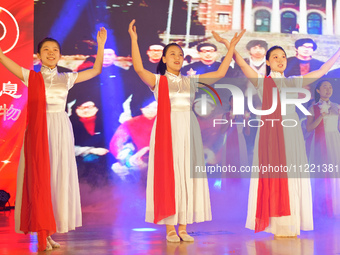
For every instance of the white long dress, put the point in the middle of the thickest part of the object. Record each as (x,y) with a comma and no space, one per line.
(64,176)
(191,194)
(299,187)
(332,135)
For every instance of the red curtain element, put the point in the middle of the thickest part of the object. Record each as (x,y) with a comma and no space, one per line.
(17,17)
(164,179)
(272,193)
(36,209)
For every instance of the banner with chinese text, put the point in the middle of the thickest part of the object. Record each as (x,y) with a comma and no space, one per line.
(16,41)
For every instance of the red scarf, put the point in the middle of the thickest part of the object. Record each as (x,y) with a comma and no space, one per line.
(272,193)
(164,179)
(36,209)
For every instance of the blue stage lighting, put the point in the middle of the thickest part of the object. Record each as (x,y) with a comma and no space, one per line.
(69,15)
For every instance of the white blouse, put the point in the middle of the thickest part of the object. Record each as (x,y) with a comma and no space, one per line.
(56,86)
(181,90)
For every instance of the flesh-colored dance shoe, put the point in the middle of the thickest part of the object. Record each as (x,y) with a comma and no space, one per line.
(53,243)
(285,237)
(172,238)
(185,237)
(48,246)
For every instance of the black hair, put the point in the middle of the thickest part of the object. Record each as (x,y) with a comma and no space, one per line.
(161,67)
(254,43)
(188,58)
(302,41)
(317,94)
(47,39)
(268,55)
(206,45)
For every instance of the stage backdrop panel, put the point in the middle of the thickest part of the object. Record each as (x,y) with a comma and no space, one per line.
(16,41)
(112,115)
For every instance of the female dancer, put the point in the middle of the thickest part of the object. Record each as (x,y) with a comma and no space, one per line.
(325,147)
(279,203)
(173,196)
(48,198)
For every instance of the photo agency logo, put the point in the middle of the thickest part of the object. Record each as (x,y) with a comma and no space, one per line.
(238,105)
(204,97)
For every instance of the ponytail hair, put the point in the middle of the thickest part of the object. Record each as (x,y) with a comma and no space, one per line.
(267,70)
(316,93)
(161,67)
(268,55)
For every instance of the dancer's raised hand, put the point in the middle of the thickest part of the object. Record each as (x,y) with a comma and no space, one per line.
(220,39)
(234,40)
(132,30)
(237,38)
(101,36)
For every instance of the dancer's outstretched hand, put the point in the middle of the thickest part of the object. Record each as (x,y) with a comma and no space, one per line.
(132,30)
(101,36)
(237,38)
(219,38)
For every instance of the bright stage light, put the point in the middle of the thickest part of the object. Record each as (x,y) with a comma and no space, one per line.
(144,229)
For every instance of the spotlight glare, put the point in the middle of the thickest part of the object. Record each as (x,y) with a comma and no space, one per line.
(144,229)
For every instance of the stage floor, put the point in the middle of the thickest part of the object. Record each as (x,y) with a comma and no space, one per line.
(113,223)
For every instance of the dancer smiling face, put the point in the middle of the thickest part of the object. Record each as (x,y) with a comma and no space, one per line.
(173,58)
(276,59)
(325,90)
(49,53)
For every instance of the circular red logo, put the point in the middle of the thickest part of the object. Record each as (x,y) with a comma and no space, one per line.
(9,30)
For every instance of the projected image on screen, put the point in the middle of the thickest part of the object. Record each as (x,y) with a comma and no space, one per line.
(113,114)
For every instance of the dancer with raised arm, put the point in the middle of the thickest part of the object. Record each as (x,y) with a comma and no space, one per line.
(173,195)
(279,203)
(325,152)
(48,198)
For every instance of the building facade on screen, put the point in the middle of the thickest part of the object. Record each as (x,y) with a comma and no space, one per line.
(275,16)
